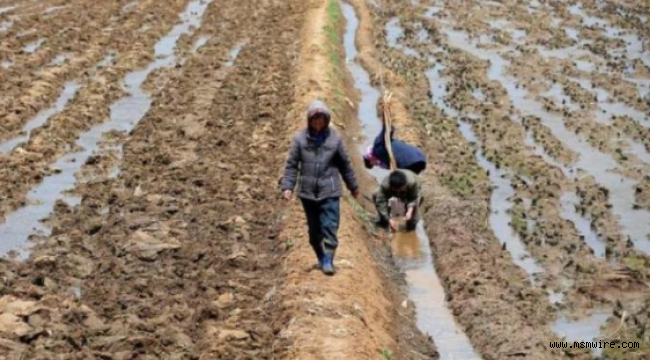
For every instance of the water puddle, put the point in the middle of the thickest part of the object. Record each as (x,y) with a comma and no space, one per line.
(69,91)
(571,52)
(643,85)
(585,329)
(433,11)
(502,189)
(587,20)
(200,42)
(518,35)
(634,49)
(108,60)
(59,60)
(6,9)
(53,9)
(572,33)
(608,108)
(569,202)
(602,166)
(555,297)
(371,124)
(584,65)
(6,25)
(394,33)
(491,3)
(533,7)
(234,53)
(33,46)
(423,36)
(479,95)
(556,92)
(129,6)
(427,293)
(124,116)
(425,289)
(118,150)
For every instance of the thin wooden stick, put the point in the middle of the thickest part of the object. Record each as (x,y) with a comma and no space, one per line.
(388,124)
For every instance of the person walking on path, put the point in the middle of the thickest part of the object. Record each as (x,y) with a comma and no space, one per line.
(406,155)
(316,158)
(403,185)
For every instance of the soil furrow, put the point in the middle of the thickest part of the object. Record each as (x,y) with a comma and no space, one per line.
(29,87)
(182,261)
(334,318)
(91,106)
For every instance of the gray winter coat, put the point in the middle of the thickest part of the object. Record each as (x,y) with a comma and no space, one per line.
(317,167)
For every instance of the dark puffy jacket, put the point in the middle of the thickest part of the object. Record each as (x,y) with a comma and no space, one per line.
(317,167)
(406,155)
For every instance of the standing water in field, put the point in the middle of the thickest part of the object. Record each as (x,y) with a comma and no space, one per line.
(69,91)
(500,203)
(585,329)
(6,9)
(570,201)
(602,166)
(394,32)
(124,116)
(33,46)
(425,288)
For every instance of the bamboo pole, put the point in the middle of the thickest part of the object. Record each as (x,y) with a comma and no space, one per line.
(388,124)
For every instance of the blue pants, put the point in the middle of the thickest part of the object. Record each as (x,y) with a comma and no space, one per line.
(323,219)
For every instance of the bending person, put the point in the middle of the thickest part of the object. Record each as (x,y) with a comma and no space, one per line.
(406,156)
(405,186)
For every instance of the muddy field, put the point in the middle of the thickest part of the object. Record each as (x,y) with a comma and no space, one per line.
(141,147)
(534,114)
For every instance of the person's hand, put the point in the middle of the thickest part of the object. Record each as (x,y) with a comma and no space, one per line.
(409,214)
(287,194)
(356,193)
(393,224)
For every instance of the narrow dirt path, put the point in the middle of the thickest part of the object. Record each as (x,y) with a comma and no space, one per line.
(188,252)
(356,314)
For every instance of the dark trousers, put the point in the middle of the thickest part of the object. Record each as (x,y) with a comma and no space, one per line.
(323,219)
(418,167)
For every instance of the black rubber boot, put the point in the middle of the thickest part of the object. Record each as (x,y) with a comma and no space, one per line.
(328,264)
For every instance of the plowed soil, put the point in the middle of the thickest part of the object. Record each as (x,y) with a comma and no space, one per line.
(181,247)
(186,254)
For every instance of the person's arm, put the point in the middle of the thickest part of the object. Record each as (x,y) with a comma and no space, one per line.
(345,168)
(291,168)
(413,195)
(381,201)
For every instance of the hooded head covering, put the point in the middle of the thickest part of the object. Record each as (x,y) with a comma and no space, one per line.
(319,108)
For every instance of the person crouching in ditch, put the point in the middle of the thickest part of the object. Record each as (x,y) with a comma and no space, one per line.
(403,185)
(317,157)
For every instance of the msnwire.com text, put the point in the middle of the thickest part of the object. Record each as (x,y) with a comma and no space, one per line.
(595,345)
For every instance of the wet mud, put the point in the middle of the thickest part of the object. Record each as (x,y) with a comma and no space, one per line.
(550,132)
(150,201)
(139,163)
(169,262)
